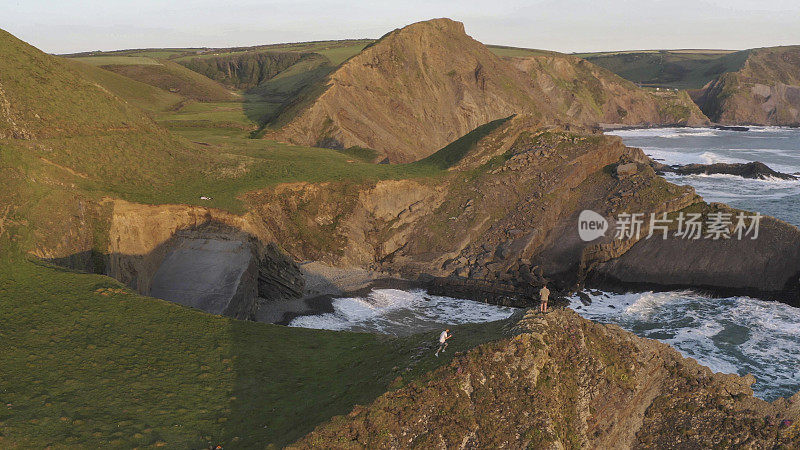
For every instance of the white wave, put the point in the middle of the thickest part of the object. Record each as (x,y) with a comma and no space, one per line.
(769,129)
(730,335)
(766,182)
(397,312)
(683,156)
(663,132)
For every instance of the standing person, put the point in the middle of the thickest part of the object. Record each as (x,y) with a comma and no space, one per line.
(443,341)
(544,296)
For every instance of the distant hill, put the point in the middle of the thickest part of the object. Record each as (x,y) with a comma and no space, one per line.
(242,70)
(765,91)
(676,69)
(420,87)
(149,98)
(175,78)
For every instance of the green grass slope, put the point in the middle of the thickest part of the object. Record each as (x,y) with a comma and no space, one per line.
(142,95)
(42,96)
(677,69)
(86,363)
(175,78)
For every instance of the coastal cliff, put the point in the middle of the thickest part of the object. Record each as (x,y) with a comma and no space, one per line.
(766,91)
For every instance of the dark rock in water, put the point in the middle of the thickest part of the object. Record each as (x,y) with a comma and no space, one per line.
(756,170)
(729,128)
(585,299)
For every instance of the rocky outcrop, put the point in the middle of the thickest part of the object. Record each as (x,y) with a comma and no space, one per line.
(756,170)
(592,95)
(423,86)
(505,220)
(565,382)
(767,267)
(766,91)
(506,210)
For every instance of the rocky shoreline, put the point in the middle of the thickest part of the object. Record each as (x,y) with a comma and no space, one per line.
(755,170)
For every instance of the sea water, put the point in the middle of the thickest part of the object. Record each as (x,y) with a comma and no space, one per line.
(398,312)
(732,335)
(778,148)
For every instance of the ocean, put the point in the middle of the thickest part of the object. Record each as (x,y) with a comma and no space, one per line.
(732,335)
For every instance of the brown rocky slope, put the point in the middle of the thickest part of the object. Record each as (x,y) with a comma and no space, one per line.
(505,217)
(766,91)
(420,87)
(565,382)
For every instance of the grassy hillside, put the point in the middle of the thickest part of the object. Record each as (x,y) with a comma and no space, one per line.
(156,53)
(144,96)
(86,363)
(174,78)
(335,51)
(678,69)
(46,97)
(242,70)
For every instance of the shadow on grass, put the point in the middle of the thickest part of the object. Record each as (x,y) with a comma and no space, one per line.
(181,377)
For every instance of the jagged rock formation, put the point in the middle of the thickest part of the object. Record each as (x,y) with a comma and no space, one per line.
(766,91)
(566,382)
(756,170)
(420,87)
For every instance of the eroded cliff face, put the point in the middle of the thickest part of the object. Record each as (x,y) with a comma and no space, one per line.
(421,87)
(566,382)
(766,91)
(505,217)
(508,205)
(208,259)
(768,266)
(589,94)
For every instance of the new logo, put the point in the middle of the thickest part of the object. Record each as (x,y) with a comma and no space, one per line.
(591,225)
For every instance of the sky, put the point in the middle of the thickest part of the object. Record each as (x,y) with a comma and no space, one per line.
(563,25)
